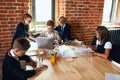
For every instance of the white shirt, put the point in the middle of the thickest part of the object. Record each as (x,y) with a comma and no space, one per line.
(13,55)
(108,45)
(64,26)
(54,35)
(50,35)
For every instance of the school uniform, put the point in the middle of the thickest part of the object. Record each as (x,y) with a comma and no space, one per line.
(21,31)
(53,35)
(11,69)
(101,47)
(64,31)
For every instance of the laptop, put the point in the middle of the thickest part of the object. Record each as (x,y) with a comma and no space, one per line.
(44,42)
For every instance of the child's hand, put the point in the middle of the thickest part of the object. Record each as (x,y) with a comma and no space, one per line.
(42,68)
(32,63)
(94,54)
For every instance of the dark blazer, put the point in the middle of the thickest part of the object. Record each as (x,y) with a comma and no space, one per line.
(11,69)
(21,31)
(66,34)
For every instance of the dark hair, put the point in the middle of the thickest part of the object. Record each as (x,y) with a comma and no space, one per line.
(103,33)
(26,15)
(62,19)
(50,23)
(21,43)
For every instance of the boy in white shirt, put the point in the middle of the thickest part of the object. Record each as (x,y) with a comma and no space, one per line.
(51,33)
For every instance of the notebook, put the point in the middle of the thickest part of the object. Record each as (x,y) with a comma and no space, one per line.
(44,42)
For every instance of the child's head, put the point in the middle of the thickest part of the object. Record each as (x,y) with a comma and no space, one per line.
(50,25)
(20,46)
(102,33)
(62,20)
(27,18)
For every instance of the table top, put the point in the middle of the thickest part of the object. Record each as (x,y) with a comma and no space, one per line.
(81,68)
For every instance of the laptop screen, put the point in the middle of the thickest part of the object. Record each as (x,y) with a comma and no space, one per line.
(44,42)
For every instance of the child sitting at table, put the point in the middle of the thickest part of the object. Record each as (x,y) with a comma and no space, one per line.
(11,69)
(51,33)
(103,46)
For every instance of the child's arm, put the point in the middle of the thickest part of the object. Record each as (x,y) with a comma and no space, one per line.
(21,74)
(42,68)
(32,63)
(104,55)
(26,58)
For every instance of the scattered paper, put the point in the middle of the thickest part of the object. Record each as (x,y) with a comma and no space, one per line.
(83,51)
(111,76)
(77,42)
(66,52)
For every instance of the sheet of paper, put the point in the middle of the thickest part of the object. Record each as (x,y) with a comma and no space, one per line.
(111,76)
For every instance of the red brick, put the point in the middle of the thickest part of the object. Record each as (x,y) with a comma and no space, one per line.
(12,19)
(9,0)
(3,25)
(11,11)
(10,7)
(3,11)
(22,0)
(9,4)
(13,22)
(2,7)
(3,18)
(19,4)
(5,29)
(19,11)
(1,0)
(2,4)
(11,15)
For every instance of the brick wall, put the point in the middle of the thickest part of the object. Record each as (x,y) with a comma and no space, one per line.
(83,15)
(11,12)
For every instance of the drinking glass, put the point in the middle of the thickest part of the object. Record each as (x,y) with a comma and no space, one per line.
(90,57)
(40,57)
(53,58)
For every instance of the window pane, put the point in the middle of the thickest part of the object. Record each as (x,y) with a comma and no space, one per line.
(117,17)
(107,10)
(43,10)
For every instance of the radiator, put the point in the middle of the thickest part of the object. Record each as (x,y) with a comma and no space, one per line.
(114,35)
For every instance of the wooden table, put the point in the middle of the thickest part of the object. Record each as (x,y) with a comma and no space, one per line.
(81,68)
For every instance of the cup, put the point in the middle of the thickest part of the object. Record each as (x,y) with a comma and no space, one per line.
(53,58)
(40,55)
(90,57)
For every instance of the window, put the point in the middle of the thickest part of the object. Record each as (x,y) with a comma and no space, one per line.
(42,11)
(111,11)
